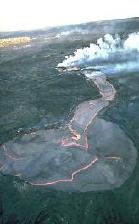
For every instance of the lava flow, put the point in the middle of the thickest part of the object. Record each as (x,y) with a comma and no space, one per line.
(82,120)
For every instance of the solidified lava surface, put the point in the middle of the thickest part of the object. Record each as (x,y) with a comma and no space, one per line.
(88,154)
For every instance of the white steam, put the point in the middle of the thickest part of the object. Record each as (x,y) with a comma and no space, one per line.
(132,42)
(109,53)
(70,32)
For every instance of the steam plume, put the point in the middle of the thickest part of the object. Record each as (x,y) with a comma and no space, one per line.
(110,54)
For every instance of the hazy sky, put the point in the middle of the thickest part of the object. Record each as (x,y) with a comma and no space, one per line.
(32,14)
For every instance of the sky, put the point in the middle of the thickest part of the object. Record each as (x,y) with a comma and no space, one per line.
(33,14)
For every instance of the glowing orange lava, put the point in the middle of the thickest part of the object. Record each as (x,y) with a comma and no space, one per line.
(70,179)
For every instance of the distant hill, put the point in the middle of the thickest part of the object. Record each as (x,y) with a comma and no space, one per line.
(98,27)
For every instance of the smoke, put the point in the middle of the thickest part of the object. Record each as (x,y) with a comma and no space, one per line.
(132,42)
(70,32)
(110,54)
